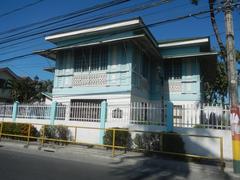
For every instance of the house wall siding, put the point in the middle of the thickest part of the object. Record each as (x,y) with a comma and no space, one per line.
(173,51)
(188,87)
(117,75)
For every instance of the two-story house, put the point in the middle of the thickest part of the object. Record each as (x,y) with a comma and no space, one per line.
(122,62)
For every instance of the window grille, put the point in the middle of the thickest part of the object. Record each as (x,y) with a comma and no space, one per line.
(91,59)
(173,69)
(117,113)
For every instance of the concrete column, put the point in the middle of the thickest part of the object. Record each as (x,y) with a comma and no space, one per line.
(53,112)
(14,112)
(169,127)
(103,116)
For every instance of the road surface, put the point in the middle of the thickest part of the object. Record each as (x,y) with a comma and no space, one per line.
(39,165)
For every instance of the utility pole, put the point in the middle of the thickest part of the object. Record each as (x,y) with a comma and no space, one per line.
(232,84)
(231,56)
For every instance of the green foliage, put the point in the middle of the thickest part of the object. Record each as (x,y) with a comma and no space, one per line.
(216,91)
(56,132)
(122,138)
(170,142)
(148,141)
(26,90)
(19,129)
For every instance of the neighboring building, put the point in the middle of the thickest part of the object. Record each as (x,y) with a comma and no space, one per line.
(122,63)
(6,75)
(48,97)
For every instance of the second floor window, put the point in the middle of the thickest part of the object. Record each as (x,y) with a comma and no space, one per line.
(91,59)
(173,69)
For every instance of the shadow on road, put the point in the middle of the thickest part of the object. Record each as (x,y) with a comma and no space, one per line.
(157,167)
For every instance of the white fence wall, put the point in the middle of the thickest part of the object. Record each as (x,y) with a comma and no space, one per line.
(6,110)
(33,111)
(201,116)
(136,113)
(189,119)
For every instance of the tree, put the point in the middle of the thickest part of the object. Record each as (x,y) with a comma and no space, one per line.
(27,90)
(226,53)
(215,92)
(215,27)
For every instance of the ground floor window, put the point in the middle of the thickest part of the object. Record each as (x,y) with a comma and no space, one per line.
(85,110)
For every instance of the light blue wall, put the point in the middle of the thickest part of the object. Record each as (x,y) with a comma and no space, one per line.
(148,88)
(175,51)
(190,82)
(118,72)
(124,71)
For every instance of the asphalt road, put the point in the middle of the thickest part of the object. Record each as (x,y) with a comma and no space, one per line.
(17,165)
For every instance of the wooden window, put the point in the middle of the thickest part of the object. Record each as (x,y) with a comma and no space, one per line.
(173,69)
(2,83)
(91,59)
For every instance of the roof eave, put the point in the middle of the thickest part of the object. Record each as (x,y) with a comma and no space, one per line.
(95,29)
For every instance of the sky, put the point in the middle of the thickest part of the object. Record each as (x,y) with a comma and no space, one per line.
(33,65)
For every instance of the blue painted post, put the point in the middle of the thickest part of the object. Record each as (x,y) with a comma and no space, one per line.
(169,116)
(14,112)
(103,116)
(53,112)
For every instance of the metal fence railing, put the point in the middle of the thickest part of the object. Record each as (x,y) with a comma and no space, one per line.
(137,113)
(61,112)
(83,111)
(33,111)
(6,110)
(120,139)
(201,116)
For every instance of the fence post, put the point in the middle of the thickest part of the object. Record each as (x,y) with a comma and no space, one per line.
(103,116)
(14,112)
(169,116)
(53,112)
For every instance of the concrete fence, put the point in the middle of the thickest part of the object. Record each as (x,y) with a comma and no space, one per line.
(135,113)
(188,119)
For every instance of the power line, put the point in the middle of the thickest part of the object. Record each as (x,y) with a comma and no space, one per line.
(66,17)
(20,8)
(142,6)
(45,42)
(149,25)
(102,5)
(127,30)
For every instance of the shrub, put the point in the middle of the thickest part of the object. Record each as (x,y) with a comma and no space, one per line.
(168,142)
(56,132)
(122,138)
(19,129)
(148,141)
(172,142)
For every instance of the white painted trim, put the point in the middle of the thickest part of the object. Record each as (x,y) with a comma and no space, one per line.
(100,42)
(191,55)
(98,28)
(184,42)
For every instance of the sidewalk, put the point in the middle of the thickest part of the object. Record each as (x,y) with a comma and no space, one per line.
(130,159)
